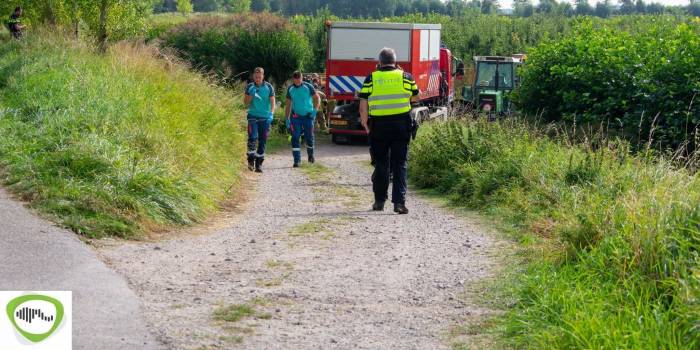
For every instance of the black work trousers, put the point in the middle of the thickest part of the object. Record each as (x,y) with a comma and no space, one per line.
(389,141)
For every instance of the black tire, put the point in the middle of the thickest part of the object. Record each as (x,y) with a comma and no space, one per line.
(340,139)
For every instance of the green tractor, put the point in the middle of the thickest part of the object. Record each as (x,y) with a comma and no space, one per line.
(494,78)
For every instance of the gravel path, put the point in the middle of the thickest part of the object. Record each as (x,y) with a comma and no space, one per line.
(316,267)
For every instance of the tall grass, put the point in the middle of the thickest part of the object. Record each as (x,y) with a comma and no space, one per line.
(114,144)
(614,239)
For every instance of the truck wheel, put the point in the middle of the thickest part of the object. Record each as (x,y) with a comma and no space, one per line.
(340,139)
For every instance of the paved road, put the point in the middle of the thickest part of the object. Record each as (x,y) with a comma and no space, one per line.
(36,255)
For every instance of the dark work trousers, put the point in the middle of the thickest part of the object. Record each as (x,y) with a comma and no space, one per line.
(389,140)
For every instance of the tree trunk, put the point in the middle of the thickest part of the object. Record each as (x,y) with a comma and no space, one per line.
(76,20)
(102,27)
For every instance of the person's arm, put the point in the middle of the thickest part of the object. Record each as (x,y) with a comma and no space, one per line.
(364,104)
(408,78)
(287,107)
(272,98)
(317,101)
(364,116)
(248,97)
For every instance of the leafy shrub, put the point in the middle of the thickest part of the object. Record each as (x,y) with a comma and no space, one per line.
(643,80)
(233,46)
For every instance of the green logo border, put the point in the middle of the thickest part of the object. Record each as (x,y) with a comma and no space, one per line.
(35,338)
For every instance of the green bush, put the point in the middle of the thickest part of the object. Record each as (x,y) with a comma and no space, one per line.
(640,78)
(232,46)
(614,239)
(118,144)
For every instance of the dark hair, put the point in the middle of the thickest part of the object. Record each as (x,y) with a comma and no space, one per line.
(18,8)
(296,74)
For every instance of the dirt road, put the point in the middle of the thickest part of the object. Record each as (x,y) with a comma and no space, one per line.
(306,265)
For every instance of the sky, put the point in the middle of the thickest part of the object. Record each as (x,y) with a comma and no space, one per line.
(509,3)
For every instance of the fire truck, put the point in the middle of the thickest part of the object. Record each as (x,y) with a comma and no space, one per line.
(352,54)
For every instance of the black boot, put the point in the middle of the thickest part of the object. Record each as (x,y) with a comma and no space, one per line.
(258,164)
(378,205)
(251,162)
(310,153)
(400,208)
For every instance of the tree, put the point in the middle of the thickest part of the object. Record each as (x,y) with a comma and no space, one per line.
(421,6)
(523,8)
(564,9)
(403,8)
(627,7)
(236,6)
(259,5)
(583,8)
(694,8)
(655,8)
(436,6)
(276,5)
(640,6)
(602,9)
(184,7)
(206,5)
(489,6)
(455,7)
(169,6)
(546,6)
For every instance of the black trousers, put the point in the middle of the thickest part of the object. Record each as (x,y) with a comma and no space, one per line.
(389,149)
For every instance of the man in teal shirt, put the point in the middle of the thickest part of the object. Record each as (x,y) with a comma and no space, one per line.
(300,110)
(260,100)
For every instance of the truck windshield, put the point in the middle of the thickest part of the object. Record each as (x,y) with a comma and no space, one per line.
(486,75)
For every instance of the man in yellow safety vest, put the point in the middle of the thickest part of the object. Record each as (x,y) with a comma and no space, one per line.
(385,106)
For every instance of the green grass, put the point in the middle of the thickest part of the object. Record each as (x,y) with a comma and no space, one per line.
(115,144)
(233,313)
(610,240)
(316,171)
(237,312)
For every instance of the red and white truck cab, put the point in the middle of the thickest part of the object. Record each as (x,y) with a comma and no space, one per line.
(352,54)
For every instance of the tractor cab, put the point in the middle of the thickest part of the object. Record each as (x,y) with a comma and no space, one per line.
(494,78)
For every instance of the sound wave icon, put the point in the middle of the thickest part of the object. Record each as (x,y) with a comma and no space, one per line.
(27,314)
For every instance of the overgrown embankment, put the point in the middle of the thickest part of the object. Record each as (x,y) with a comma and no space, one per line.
(614,239)
(114,144)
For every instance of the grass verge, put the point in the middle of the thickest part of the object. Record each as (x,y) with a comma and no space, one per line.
(612,240)
(115,144)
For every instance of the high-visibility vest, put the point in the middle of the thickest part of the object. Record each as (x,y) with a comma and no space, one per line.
(391,93)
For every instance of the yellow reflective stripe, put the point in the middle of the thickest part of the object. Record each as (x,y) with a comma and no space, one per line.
(391,106)
(389,97)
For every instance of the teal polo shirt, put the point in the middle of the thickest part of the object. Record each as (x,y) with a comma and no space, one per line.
(260,104)
(302,98)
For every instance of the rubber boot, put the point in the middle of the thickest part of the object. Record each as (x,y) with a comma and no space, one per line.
(310,152)
(251,162)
